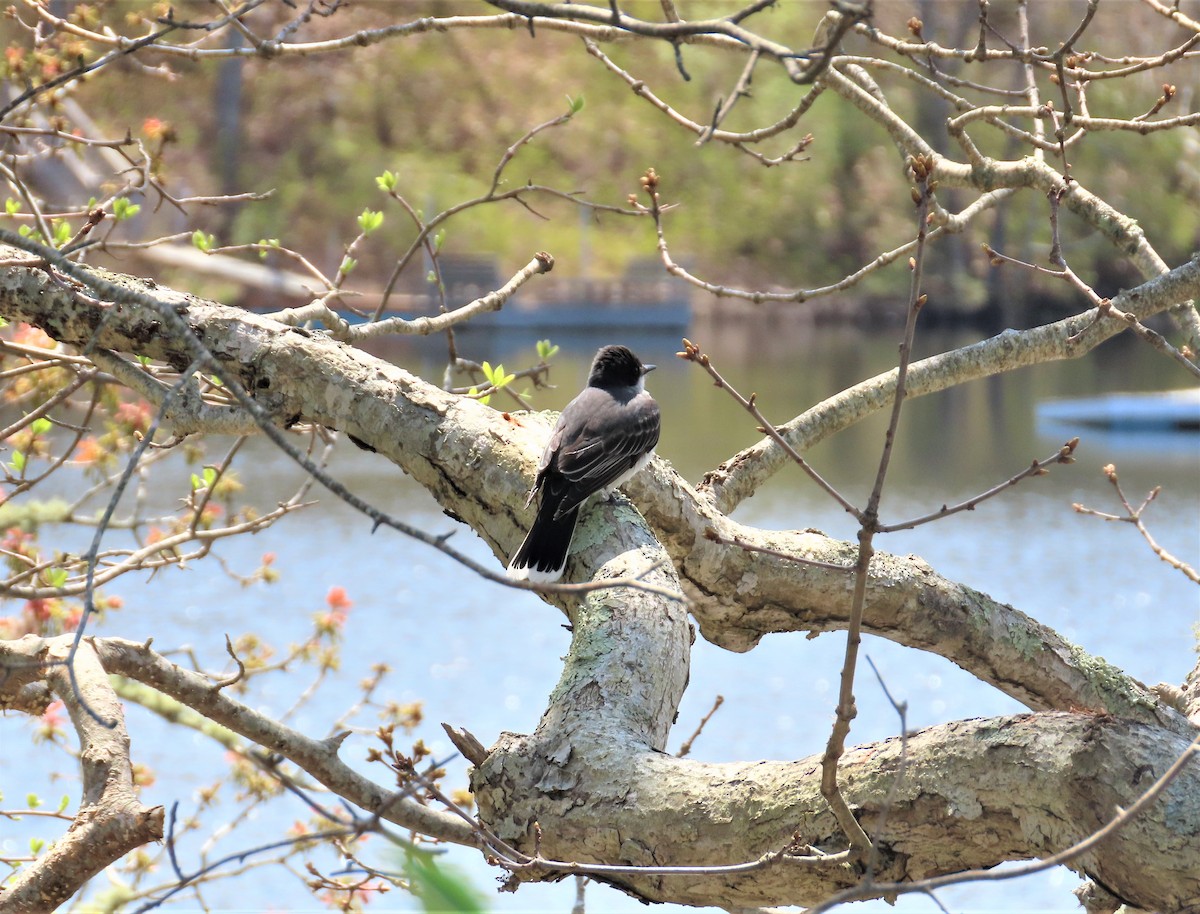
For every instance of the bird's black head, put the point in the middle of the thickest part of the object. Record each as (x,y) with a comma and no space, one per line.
(616,366)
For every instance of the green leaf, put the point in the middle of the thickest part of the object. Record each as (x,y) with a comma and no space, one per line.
(62,232)
(202,241)
(123,209)
(36,845)
(55,577)
(33,801)
(546,350)
(64,802)
(11,206)
(348,264)
(369,221)
(41,425)
(205,480)
(439,239)
(431,277)
(438,889)
(575,104)
(387,181)
(144,360)
(18,461)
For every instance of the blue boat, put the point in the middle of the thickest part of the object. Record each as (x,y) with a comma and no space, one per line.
(1169,410)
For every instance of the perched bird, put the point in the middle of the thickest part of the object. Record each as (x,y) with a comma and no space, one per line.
(604,436)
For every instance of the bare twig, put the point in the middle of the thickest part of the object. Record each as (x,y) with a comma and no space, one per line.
(1134,516)
(692,353)
(1065,454)
(687,743)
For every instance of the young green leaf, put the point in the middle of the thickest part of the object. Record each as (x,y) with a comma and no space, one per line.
(387,181)
(369,221)
(203,241)
(348,264)
(123,209)
(11,206)
(62,232)
(439,239)
(18,461)
(575,105)
(41,425)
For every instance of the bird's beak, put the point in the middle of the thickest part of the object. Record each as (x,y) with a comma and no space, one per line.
(646,369)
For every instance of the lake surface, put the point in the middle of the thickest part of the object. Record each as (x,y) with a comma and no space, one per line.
(485,658)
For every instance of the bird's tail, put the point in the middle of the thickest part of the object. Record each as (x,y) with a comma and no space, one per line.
(543,555)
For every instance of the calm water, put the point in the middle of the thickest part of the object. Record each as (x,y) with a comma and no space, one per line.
(485,658)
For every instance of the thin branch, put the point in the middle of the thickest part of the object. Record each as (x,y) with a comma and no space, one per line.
(692,353)
(712,535)
(1134,516)
(1065,454)
(687,743)
(542,262)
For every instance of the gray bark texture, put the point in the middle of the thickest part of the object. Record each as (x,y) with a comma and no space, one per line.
(593,778)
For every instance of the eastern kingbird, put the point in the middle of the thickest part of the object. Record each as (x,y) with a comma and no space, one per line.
(604,436)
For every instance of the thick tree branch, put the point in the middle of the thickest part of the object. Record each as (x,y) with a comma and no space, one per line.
(1034,785)
(441,439)
(602,736)
(317,757)
(110,821)
(907,602)
(740,476)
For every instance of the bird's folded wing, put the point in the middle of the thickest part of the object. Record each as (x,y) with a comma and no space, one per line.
(601,456)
